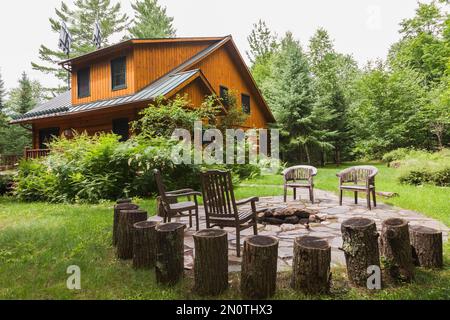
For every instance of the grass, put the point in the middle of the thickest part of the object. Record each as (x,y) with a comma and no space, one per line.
(38,241)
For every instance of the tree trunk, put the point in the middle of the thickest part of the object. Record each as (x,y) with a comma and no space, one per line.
(396,249)
(259,267)
(360,245)
(308,157)
(211,262)
(127,219)
(144,240)
(426,246)
(311,266)
(169,252)
(117,209)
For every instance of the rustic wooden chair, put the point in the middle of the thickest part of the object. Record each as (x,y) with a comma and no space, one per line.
(221,208)
(299,177)
(172,208)
(358,179)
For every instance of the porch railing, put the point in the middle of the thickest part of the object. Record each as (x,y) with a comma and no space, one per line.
(35,153)
(9,161)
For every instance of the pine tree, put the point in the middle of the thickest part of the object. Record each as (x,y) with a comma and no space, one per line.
(151,21)
(80,20)
(2,94)
(25,96)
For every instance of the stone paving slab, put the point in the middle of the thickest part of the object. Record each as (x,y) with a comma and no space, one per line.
(327,206)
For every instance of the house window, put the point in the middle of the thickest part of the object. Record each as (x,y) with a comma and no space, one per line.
(119,73)
(121,128)
(47,135)
(224,96)
(84,82)
(245,99)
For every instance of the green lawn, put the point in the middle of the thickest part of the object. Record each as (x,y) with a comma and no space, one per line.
(39,241)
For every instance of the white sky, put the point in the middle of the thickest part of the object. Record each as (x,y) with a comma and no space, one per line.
(364,28)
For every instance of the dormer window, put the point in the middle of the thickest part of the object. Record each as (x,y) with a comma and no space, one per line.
(119,73)
(84,82)
(245,103)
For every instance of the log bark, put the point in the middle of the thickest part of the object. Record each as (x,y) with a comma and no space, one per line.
(395,249)
(259,267)
(126,200)
(144,245)
(426,246)
(311,266)
(117,208)
(360,245)
(127,219)
(211,262)
(169,253)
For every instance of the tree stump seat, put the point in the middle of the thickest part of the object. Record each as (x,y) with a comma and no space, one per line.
(426,246)
(127,219)
(144,241)
(169,253)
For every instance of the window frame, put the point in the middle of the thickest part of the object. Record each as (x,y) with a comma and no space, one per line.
(124,85)
(249,103)
(88,72)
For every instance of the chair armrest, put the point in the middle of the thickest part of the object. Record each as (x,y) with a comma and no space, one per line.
(185,194)
(245,201)
(179,191)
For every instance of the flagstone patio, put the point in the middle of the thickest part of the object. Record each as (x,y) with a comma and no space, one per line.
(327,206)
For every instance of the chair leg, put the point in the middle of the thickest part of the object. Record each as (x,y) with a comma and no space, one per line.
(356,197)
(190,218)
(197,219)
(374,196)
(285,194)
(311,194)
(255,226)
(340,198)
(368,200)
(295,193)
(238,242)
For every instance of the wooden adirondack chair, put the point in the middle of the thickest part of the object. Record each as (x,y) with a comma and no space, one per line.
(299,177)
(187,208)
(221,208)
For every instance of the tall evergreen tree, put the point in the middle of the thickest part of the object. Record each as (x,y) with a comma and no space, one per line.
(25,97)
(151,21)
(80,20)
(2,94)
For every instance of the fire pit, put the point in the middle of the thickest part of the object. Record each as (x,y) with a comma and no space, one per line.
(288,215)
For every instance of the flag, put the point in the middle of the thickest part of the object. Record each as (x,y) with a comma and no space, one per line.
(97,35)
(65,39)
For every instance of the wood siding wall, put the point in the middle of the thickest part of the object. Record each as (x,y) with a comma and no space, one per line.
(100,76)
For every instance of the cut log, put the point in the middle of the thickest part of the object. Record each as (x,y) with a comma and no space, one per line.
(144,245)
(395,248)
(169,253)
(211,262)
(117,208)
(360,245)
(387,194)
(127,219)
(259,267)
(426,246)
(311,266)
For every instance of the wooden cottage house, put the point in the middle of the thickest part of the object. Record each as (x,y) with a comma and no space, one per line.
(112,85)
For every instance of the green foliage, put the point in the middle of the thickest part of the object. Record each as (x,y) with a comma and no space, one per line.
(2,93)
(80,19)
(395,155)
(5,182)
(25,97)
(151,21)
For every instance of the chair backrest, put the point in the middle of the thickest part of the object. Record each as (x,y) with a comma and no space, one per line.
(299,173)
(218,194)
(359,174)
(161,187)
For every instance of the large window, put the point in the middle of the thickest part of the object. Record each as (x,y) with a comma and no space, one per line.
(224,96)
(119,73)
(121,128)
(245,99)
(84,82)
(47,135)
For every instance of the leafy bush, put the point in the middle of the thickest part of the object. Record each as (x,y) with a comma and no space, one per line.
(420,167)
(395,155)
(5,182)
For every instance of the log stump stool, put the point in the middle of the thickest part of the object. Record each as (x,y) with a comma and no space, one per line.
(360,245)
(259,267)
(395,248)
(311,266)
(127,219)
(426,246)
(211,262)
(117,208)
(126,200)
(144,245)
(169,252)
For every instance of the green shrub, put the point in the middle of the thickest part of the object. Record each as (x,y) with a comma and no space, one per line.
(5,182)
(395,155)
